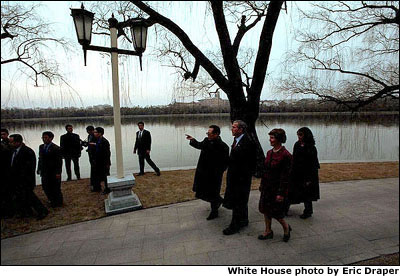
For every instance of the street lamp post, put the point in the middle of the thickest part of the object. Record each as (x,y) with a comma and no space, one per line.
(83,20)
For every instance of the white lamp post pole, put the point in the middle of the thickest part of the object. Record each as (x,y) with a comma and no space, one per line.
(121,199)
(116,105)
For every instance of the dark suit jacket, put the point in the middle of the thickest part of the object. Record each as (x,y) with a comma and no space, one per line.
(23,169)
(50,163)
(70,145)
(102,157)
(143,144)
(240,169)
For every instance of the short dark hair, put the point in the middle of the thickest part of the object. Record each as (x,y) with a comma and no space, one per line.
(279,134)
(216,129)
(140,123)
(48,133)
(17,138)
(89,128)
(100,130)
(4,130)
(67,126)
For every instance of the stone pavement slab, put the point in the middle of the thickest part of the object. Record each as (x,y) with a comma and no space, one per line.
(353,221)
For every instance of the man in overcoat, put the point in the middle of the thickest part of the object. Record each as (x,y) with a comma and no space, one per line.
(101,161)
(22,175)
(143,148)
(212,163)
(71,148)
(7,188)
(50,168)
(239,176)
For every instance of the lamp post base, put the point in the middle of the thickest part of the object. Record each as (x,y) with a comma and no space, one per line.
(121,199)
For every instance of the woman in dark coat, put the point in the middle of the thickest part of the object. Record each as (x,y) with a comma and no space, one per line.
(212,163)
(304,186)
(274,185)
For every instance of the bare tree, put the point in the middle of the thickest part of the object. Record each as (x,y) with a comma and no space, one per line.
(25,41)
(348,53)
(242,88)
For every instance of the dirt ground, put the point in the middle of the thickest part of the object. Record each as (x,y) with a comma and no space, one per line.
(171,187)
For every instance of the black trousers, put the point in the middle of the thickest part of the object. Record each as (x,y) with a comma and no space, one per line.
(27,200)
(142,157)
(52,188)
(308,208)
(97,175)
(216,203)
(75,160)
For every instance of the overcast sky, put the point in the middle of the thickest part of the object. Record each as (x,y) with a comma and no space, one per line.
(91,85)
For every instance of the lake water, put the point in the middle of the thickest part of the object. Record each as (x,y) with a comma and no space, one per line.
(338,138)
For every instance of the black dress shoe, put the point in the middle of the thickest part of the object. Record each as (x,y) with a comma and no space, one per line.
(212,215)
(270,235)
(139,174)
(304,216)
(230,231)
(286,237)
(158,173)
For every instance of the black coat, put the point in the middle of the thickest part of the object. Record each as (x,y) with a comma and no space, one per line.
(70,145)
(144,143)
(50,162)
(212,163)
(240,168)
(102,158)
(304,180)
(22,171)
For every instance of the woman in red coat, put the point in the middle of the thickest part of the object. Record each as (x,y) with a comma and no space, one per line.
(274,185)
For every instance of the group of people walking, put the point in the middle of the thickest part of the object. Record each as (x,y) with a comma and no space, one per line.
(287,179)
(19,164)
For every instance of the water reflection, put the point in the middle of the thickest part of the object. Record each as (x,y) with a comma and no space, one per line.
(338,138)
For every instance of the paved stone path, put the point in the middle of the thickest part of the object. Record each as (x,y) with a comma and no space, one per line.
(354,220)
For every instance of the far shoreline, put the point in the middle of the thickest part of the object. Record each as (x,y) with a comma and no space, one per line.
(288,114)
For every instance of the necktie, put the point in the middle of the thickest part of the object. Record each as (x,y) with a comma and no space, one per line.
(140,135)
(13,157)
(234,143)
(46,148)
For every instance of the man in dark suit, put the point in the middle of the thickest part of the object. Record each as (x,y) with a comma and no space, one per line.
(239,175)
(49,168)
(71,147)
(143,147)
(213,161)
(4,136)
(7,188)
(89,143)
(22,175)
(101,161)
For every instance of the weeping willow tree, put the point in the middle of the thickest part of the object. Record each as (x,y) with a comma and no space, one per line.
(238,72)
(348,53)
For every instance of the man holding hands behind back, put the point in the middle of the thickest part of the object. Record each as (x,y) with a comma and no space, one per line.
(212,163)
